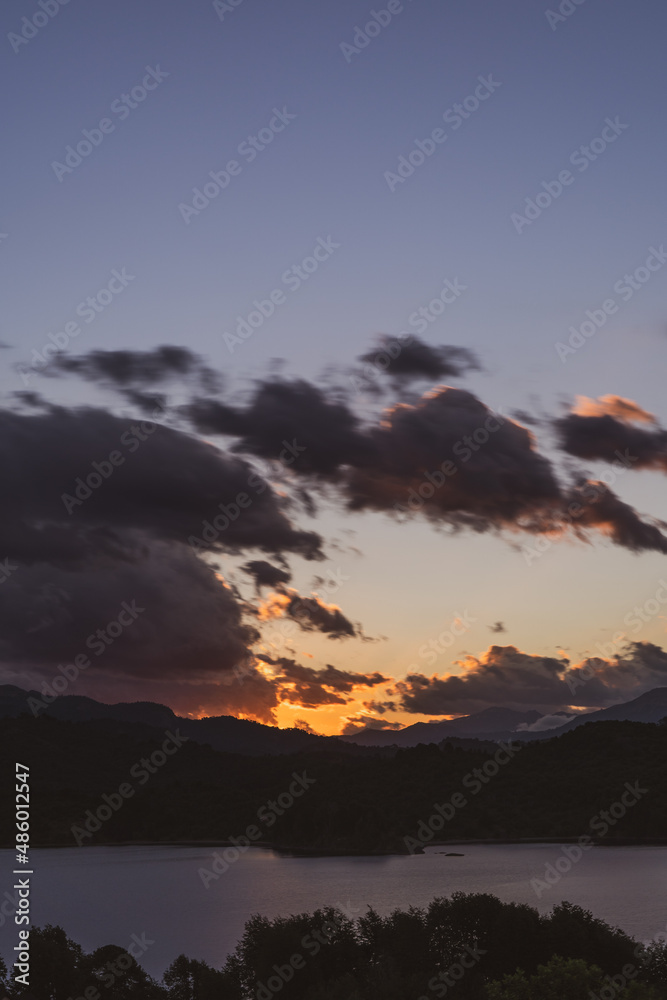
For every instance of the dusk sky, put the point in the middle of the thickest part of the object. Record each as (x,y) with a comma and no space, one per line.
(508,159)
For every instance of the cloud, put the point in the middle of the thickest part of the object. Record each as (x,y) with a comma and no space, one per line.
(497,627)
(310,687)
(326,432)
(265,574)
(504,675)
(496,479)
(98,512)
(167,484)
(599,508)
(446,457)
(306,726)
(147,615)
(600,680)
(405,360)
(544,724)
(357,723)
(310,613)
(129,369)
(613,438)
(612,406)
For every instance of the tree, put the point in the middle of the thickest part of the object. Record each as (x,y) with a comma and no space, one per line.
(567,979)
(188,979)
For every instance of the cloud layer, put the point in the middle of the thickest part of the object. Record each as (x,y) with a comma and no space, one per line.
(100,512)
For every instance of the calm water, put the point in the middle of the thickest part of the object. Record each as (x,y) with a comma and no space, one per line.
(103,895)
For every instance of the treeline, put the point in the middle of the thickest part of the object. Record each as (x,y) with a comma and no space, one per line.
(109,782)
(467,947)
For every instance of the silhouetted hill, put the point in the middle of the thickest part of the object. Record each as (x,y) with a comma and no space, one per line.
(362,802)
(487,724)
(648,707)
(225,732)
(502,724)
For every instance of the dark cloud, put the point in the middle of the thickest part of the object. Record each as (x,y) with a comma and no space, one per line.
(98,514)
(324,433)
(526,418)
(313,615)
(306,726)
(505,675)
(494,476)
(600,680)
(265,574)
(33,400)
(311,687)
(357,723)
(310,613)
(169,485)
(127,369)
(611,439)
(594,506)
(497,627)
(502,676)
(404,360)
(188,622)
(447,457)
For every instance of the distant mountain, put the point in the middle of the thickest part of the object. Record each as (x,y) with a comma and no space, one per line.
(224,732)
(487,724)
(231,735)
(503,723)
(648,707)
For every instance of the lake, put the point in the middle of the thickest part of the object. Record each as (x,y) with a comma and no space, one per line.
(104,895)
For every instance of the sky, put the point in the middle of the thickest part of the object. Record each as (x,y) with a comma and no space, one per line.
(498,167)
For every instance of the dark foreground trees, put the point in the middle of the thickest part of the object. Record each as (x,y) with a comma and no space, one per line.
(467,947)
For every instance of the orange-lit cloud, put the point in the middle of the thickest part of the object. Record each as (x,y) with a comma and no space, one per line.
(612,406)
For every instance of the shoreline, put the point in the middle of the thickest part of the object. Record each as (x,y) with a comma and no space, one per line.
(300,851)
